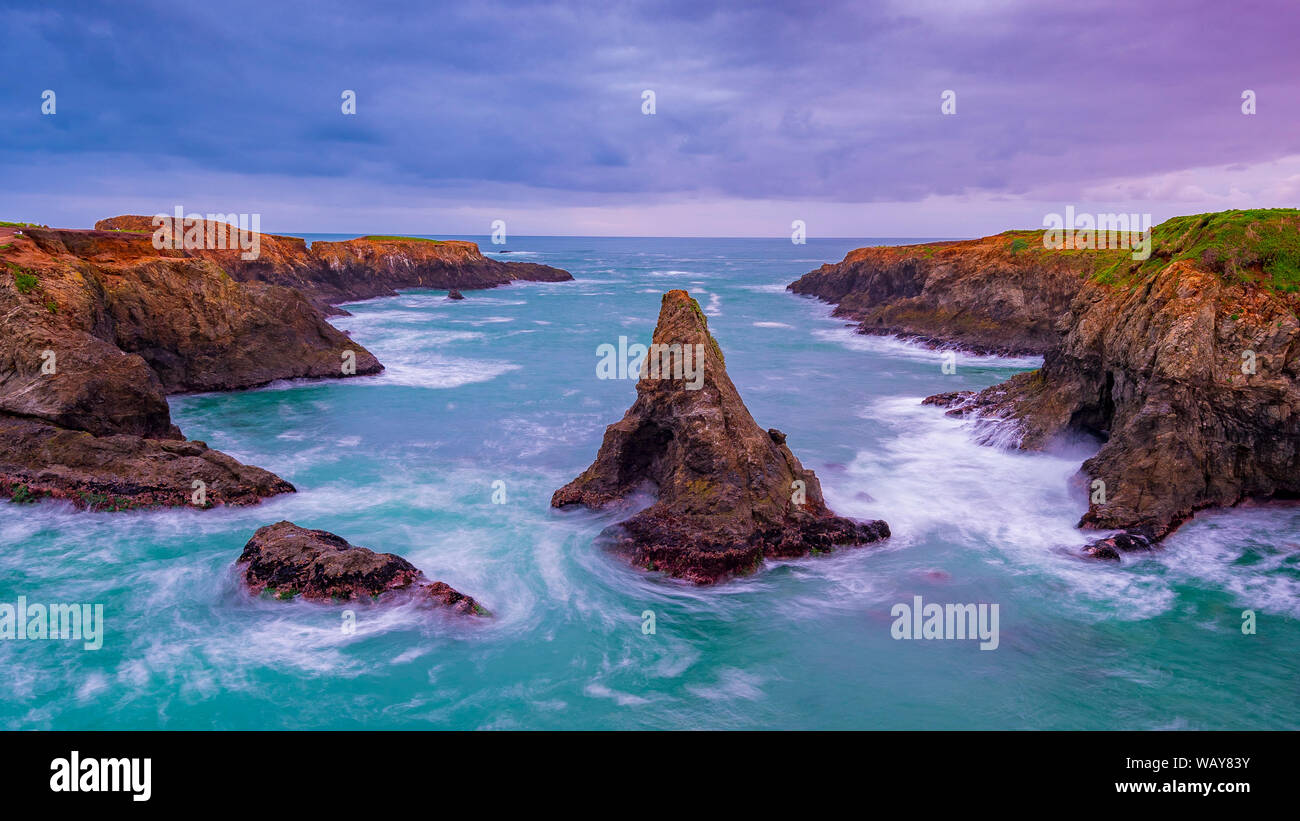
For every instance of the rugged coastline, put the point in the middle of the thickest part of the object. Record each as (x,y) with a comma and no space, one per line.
(999,295)
(351,270)
(101,326)
(1183,365)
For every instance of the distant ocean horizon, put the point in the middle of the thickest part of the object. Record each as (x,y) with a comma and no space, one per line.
(486,239)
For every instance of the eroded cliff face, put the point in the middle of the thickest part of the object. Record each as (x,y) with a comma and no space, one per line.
(728,493)
(1185,365)
(997,295)
(372,266)
(362,268)
(99,327)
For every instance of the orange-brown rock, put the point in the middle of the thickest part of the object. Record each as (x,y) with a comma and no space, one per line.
(288,561)
(998,295)
(376,266)
(728,493)
(122,472)
(100,326)
(362,268)
(1184,365)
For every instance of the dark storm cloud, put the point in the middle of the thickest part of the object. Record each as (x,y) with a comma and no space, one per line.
(825,100)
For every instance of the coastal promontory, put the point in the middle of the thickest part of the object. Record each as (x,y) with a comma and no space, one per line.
(1001,295)
(100,326)
(1183,366)
(350,270)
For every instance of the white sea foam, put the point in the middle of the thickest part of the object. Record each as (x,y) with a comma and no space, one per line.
(1252,553)
(483,320)
(597,690)
(892,346)
(438,372)
(930,479)
(732,683)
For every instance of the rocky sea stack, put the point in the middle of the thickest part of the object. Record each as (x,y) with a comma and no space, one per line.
(729,493)
(1185,365)
(288,561)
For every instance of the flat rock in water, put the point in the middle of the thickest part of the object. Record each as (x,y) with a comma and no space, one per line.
(288,561)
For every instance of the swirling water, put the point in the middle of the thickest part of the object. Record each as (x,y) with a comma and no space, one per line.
(502,388)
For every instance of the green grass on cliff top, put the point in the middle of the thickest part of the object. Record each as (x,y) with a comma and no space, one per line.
(392,238)
(1260,246)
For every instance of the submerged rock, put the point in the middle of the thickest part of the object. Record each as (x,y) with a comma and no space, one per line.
(729,493)
(288,561)
(445,595)
(1110,548)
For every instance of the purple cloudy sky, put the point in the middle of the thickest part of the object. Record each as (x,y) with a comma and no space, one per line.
(766,112)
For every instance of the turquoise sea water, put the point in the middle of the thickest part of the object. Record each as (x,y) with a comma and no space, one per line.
(502,387)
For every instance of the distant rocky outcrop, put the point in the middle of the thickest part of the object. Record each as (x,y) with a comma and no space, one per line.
(356,269)
(99,327)
(997,295)
(728,493)
(361,267)
(288,561)
(1185,365)
(453,294)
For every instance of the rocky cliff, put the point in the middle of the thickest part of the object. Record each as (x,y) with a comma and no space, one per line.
(728,493)
(362,268)
(1000,295)
(1185,365)
(99,327)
